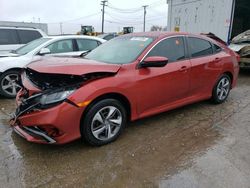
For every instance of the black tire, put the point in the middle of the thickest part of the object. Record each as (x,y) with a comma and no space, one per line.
(87,124)
(13,75)
(216,97)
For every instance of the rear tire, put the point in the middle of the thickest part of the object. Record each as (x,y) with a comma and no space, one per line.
(8,83)
(222,89)
(103,122)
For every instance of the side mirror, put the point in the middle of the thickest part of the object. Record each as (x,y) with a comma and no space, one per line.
(154,61)
(44,51)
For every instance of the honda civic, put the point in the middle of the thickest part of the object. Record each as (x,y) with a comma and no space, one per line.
(130,77)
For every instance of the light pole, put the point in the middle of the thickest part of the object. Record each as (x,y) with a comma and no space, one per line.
(144,17)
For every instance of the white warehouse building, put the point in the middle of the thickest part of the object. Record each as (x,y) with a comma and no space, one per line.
(224,18)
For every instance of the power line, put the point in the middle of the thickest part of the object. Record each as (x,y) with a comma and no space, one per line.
(122,20)
(119,17)
(75,19)
(157,3)
(123,10)
(122,23)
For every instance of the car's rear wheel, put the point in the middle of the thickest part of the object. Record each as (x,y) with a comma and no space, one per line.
(103,122)
(221,89)
(8,83)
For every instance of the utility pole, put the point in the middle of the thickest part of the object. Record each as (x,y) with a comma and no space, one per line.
(144,19)
(61,30)
(103,3)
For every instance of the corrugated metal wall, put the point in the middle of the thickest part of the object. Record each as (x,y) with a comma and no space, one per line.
(198,16)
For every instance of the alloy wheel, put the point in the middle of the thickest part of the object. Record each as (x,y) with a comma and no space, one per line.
(223,88)
(9,84)
(106,123)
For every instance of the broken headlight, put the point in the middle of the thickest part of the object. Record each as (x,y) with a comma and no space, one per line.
(59,96)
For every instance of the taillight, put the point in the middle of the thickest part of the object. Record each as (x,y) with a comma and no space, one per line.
(238,57)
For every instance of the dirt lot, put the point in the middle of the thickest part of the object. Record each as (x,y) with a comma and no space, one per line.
(200,145)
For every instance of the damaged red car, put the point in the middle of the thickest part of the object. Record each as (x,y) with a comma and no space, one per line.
(130,77)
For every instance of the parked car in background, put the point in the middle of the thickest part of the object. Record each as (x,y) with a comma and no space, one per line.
(108,36)
(12,38)
(241,45)
(12,63)
(127,78)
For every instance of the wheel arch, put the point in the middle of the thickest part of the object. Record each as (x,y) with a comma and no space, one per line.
(12,69)
(230,75)
(118,96)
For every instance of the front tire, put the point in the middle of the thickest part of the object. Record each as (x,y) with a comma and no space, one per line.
(103,122)
(221,89)
(8,83)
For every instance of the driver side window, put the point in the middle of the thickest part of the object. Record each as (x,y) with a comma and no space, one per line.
(62,46)
(171,48)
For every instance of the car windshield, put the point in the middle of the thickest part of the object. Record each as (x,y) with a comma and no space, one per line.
(31,46)
(121,50)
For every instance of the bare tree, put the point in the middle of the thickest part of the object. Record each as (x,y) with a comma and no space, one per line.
(156,28)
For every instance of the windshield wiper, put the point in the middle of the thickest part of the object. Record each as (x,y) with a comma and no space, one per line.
(85,53)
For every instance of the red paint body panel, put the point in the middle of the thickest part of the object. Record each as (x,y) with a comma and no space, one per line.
(148,90)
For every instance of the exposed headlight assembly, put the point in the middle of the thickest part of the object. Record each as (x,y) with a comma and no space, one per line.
(51,98)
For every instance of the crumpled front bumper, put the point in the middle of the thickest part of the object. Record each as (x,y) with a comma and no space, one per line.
(63,117)
(33,134)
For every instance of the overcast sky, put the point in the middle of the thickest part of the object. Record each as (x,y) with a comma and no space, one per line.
(74,13)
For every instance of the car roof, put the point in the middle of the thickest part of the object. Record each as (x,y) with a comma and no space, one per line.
(163,34)
(17,27)
(75,36)
(156,34)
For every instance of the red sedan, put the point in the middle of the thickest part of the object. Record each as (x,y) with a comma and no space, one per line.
(130,77)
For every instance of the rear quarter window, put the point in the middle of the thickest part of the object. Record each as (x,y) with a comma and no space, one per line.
(217,48)
(28,35)
(86,44)
(8,36)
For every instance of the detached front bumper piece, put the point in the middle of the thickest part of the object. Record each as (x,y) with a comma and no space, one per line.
(34,134)
(58,124)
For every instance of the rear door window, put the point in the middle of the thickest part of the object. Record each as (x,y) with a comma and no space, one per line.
(62,46)
(199,47)
(8,36)
(86,44)
(171,48)
(28,35)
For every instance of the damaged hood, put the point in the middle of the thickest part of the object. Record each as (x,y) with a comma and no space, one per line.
(53,72)
(71,66)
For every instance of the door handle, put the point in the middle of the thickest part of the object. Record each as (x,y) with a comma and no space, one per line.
(183,68)
(217,59)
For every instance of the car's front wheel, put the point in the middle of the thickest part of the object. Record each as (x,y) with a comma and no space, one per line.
(8,83)
(103,122)
(221,89)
